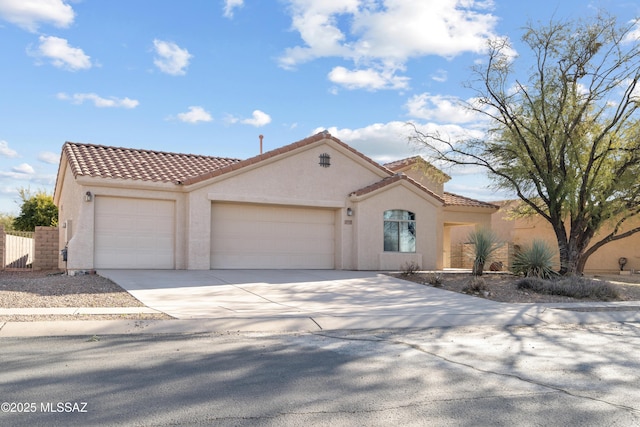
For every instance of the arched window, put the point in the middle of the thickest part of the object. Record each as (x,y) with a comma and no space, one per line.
(399,231)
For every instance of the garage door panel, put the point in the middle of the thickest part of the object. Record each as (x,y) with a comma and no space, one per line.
(263,236)
(134,233)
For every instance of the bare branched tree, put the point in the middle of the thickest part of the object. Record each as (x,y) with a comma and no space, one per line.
(564,134)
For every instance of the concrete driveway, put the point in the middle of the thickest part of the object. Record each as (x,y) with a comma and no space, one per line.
(329,299)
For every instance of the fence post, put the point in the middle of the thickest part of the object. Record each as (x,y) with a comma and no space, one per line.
(46,248)
(3,245)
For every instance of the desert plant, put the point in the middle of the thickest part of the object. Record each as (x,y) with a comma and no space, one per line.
(475,286)
(485,243)
(535,260)
(409,268)
(572,286)
(434,279)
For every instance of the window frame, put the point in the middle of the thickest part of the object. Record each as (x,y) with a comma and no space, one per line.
(399,231)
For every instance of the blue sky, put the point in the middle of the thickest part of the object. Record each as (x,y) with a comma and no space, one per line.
(209,76)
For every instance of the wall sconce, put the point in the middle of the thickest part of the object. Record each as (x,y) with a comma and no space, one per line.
(88,196)
(349,212)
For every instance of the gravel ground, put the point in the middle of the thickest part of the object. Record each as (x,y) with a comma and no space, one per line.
(20,289)
(502,287)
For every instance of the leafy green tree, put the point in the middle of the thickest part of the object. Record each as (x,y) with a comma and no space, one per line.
(564,131)
(37,210)
(6,220)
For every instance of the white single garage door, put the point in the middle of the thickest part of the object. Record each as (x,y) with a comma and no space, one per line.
(267,236)
(134,233)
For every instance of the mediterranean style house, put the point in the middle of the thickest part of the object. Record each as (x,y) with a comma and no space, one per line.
(313,204)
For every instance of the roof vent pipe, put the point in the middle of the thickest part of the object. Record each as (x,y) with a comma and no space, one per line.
(260,136)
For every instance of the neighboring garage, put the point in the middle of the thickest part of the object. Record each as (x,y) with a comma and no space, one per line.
(134,233)
(247,235)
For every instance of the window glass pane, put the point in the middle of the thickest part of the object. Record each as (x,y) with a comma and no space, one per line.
(407,236)
(399,215)
(392,214)
(399,231)
(391,243)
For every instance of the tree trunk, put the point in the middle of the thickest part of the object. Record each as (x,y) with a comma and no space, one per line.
(573,258)
(478,267)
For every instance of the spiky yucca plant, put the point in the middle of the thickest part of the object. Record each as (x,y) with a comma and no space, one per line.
(535,260)
(485,242)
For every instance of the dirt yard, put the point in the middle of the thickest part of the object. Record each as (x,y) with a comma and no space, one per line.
(52,289)
(503,287)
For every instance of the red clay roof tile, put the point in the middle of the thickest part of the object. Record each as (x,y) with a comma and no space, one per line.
(451,199)
(127,163)
(143,165)
(390,180)
(283,150)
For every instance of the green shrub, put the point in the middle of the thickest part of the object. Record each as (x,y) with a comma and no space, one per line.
(485,243)
(535,261)
(574,287)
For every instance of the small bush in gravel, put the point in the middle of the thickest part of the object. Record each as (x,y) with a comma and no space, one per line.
(475,285)
(574,287)
(535,261)
(434,279)
(409,268)
(484,242)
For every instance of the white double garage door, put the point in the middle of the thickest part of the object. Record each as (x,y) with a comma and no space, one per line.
(141,234)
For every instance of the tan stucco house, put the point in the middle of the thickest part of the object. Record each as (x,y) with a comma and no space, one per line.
(521,231)
(313,204)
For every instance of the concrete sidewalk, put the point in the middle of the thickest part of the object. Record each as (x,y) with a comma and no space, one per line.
(535,314)
(301,301)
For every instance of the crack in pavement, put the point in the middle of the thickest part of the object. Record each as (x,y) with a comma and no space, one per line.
(417,347)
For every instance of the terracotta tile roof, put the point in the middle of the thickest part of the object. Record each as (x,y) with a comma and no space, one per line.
(399,164)
(390,180)
(451,199)
(143,165)
(282,150)
(411,161)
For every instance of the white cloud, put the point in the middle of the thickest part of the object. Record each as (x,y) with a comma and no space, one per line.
(98,101)
(258,119)
(440,76)
(24,168)
(369,79)
(48,157)
(195,115)
(441,109)
(633,36)
(230,5)
(171,58)
(384,35)
(383,142)
(5,151)
(386,142)
(28,14)
(61,54)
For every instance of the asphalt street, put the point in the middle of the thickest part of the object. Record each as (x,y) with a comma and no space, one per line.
(584,375)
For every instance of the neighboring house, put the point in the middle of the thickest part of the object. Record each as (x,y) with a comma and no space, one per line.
(313,204)
(520,232)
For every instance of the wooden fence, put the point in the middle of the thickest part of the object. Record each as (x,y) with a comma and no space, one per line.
(29,250)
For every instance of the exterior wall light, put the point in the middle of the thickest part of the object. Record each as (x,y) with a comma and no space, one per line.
(349,212)
(88,196)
